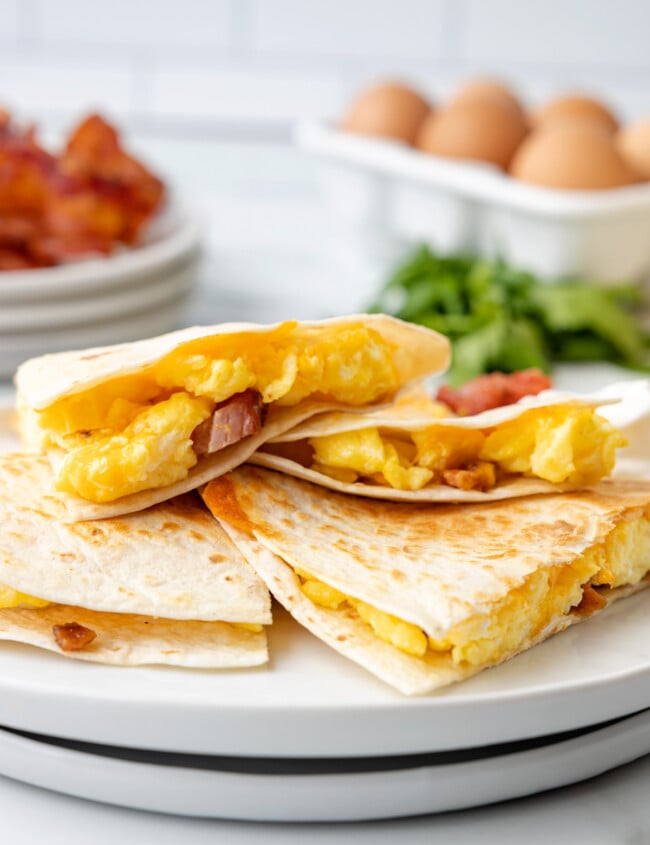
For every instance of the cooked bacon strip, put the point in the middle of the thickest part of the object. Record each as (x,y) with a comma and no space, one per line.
(236,418)
(493,391)
(478,476)
(72,636)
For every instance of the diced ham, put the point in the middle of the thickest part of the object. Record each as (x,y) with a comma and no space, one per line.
(492,391)
(236,418)
(72,636)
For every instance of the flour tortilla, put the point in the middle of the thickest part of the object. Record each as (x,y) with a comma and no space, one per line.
(413,413)
(42,381)
(125,639)
(431,565)
(159,586)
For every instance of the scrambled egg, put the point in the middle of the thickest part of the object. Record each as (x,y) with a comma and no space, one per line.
(134,433)
(154,450)
(562,444)
(523,614)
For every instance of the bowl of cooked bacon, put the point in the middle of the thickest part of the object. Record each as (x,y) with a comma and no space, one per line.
(94,249)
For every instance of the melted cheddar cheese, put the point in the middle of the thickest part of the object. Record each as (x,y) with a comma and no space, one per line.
(14,598)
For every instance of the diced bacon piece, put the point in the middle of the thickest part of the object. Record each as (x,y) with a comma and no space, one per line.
(478,476)
(591,601)
(72,636)
(236,418)
(492,391)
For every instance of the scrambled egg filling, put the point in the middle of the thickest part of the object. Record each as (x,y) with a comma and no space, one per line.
(562,444)
(152,451)
(134,432)
(522,615)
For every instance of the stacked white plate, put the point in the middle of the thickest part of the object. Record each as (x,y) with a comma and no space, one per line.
(132,294)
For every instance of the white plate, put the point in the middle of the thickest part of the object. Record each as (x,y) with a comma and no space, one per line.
(173,239)
(320,791)
(147,322)
(131,294)
(310,702)
(24,319)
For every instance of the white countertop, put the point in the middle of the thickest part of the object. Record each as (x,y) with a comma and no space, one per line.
(270,252)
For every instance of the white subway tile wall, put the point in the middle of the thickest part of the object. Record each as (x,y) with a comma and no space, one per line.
(256,65)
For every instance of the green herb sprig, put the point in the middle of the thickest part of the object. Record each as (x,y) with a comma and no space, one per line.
(499,318)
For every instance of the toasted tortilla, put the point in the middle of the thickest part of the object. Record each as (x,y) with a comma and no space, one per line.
(434,566)
(416,352)
(162,586)
(413,412)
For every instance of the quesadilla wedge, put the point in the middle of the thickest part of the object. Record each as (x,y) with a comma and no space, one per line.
(138,423)
(164,586)
(423,595)
(416,450)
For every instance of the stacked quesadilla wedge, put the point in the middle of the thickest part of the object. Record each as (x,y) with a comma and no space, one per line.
(163,586)
(131,425)
(415,450)
(423,595)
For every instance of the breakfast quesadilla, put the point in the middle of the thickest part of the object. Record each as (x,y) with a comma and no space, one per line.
(416,450)
(423,595)
(164,586)
(135,424)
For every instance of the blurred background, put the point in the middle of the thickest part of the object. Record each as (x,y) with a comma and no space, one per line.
(208,93)
(249,68)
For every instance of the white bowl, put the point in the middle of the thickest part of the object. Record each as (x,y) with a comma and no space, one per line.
(148,322)
(173,238)
(135,293)
(386,193)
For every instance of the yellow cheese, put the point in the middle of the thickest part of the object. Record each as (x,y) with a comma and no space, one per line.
(248,626)
(13,598)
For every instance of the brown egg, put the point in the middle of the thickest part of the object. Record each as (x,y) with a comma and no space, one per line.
(487,89)
(475,129)
(579,156)
(633,142)
(390,110)
(574,107)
